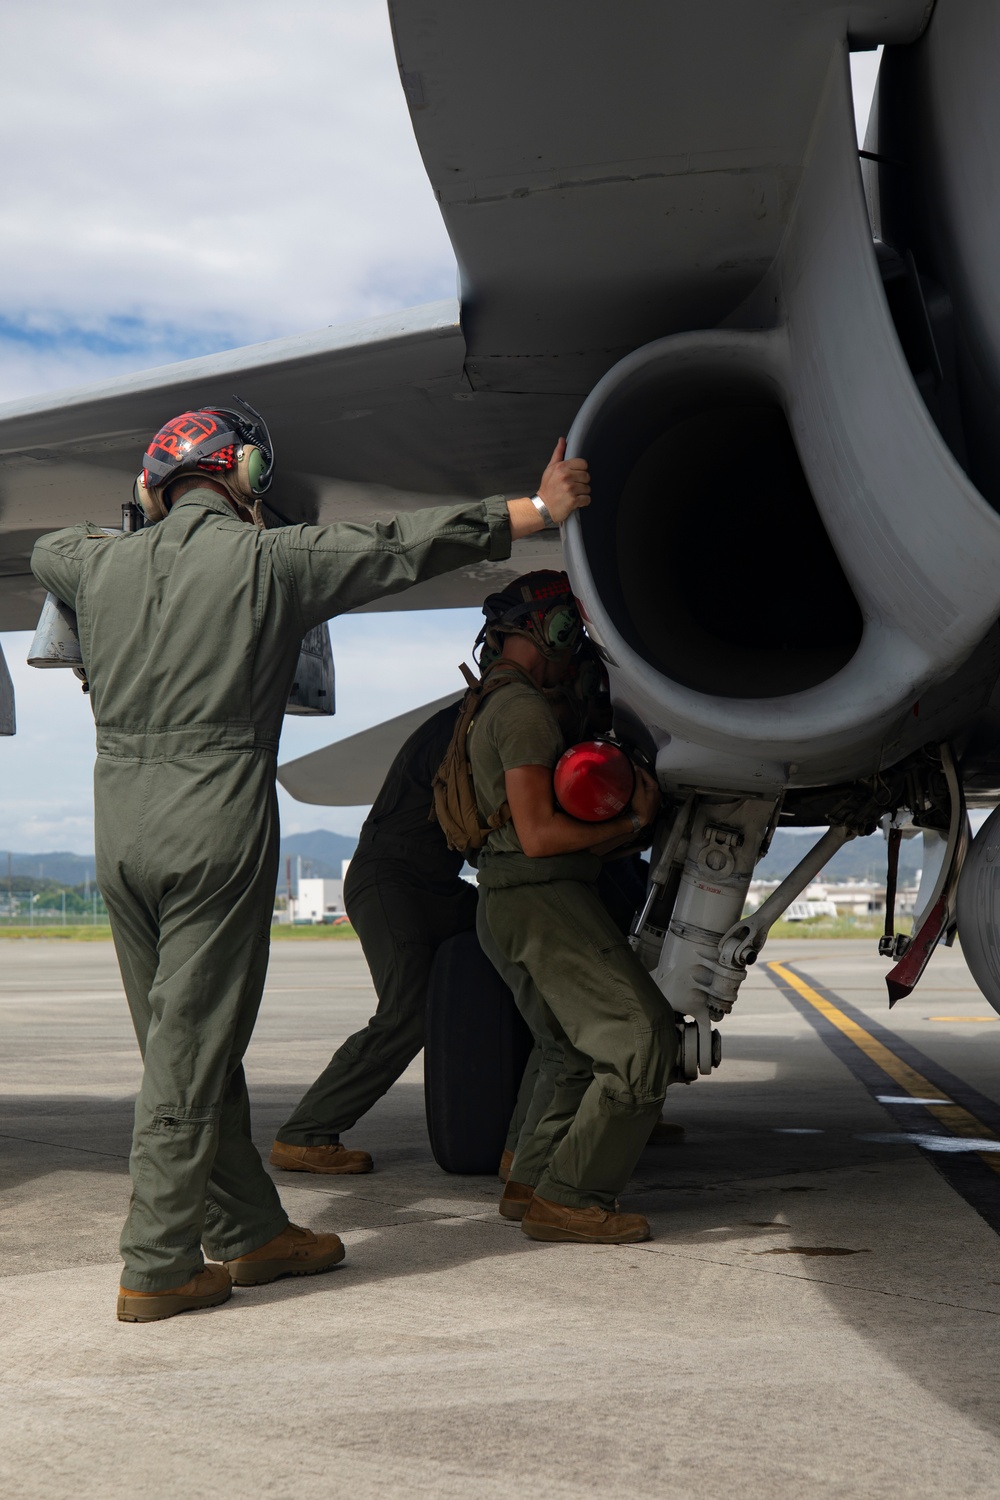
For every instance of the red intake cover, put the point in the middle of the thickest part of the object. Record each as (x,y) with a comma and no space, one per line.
(594,781)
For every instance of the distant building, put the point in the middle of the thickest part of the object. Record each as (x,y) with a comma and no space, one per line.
(849,898)
(319,901)
(802,911)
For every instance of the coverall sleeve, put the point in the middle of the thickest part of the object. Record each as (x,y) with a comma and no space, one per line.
(338,567)
(57,562)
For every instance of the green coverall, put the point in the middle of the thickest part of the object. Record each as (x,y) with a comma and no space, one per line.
(615,1027)
(404,895)
(190,633)
(582,707)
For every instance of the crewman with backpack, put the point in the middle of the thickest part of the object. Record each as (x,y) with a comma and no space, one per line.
(579,697)
(537,871)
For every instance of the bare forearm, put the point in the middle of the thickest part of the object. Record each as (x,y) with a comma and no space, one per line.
(561,834)
(524,518)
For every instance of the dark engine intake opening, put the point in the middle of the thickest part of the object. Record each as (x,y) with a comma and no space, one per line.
(707,549)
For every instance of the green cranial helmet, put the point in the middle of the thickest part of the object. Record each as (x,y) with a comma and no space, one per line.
(540,606)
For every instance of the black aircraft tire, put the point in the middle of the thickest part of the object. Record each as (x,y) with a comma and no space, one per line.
(474,1055)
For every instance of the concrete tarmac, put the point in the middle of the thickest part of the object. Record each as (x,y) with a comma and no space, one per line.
(816,1316)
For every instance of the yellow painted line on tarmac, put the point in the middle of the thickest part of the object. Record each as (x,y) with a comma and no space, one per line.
(963,1018)
(958,1120)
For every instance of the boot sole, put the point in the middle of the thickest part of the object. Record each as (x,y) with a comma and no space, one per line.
(297,1166)
(553,1235)
(155,1309)
(259,1272)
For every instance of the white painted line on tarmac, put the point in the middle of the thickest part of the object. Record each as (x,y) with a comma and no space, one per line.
(950,1143)
(907,1099)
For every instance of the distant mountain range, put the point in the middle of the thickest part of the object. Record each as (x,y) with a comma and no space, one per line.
(321,854)
(861,859)
(60,866)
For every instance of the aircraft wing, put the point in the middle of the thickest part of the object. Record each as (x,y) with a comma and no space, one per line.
(607,174)
(367,420)
(350,772)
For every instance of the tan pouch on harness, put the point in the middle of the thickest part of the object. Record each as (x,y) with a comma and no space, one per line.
(455,805)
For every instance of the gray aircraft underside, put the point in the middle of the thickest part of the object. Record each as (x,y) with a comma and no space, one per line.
(783,365)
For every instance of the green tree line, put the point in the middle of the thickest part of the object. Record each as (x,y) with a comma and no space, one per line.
(22,895)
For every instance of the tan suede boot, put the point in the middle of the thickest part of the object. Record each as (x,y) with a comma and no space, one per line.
(293,1252)
(515,1198)
(210,1286)
(330,1161)
(544,1220)
(506,1162)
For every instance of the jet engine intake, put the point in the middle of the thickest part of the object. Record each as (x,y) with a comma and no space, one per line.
(707,549)
(783,556)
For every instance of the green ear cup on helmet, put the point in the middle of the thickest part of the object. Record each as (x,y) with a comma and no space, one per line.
(255,470)
(488,655)
(562,626)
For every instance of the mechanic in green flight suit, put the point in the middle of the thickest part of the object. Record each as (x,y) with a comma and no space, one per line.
(190,632)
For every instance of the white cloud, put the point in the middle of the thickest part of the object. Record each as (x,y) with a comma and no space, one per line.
(385,665)
(179,178)
(46,769)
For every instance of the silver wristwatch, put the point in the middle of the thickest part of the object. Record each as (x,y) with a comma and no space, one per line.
(543,511)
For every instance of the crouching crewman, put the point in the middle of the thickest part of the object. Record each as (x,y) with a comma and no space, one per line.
(536,877)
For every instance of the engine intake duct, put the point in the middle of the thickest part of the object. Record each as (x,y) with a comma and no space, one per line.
(783,556)
(707,546)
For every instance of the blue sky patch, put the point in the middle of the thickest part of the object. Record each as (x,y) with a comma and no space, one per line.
(115,336)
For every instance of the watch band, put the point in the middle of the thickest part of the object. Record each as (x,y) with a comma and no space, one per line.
(543,511)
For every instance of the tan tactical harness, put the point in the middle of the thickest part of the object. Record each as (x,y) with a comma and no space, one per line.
(455,805)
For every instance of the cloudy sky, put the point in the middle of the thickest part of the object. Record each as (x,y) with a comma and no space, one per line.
(182,178)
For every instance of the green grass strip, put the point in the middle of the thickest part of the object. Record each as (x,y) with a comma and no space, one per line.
(102,933)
